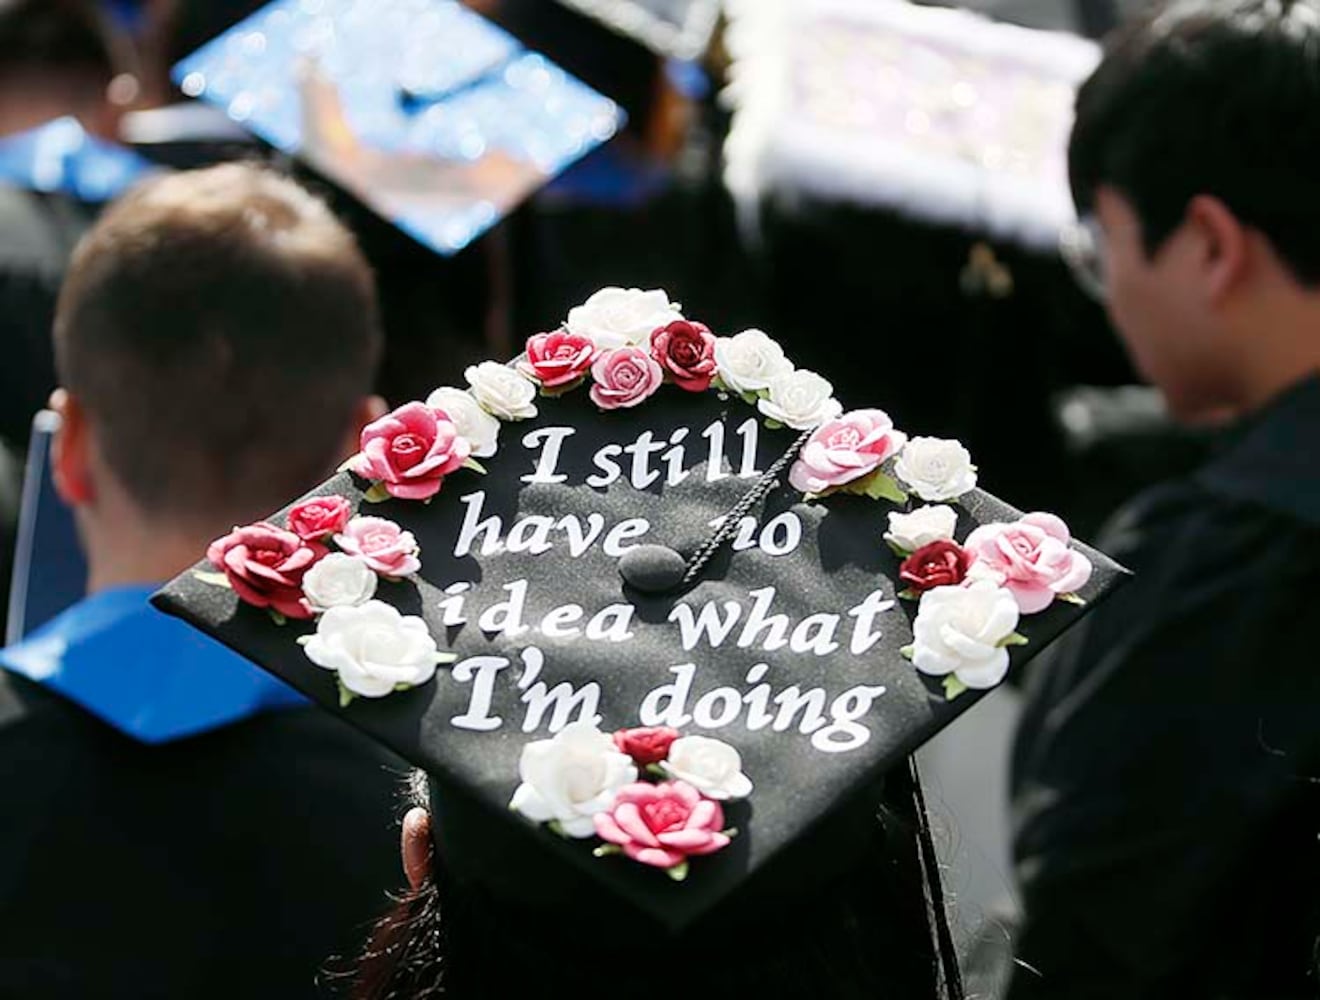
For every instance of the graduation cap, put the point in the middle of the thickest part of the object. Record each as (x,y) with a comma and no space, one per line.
(680,29)
(429,114)
(61,156)
(645,605)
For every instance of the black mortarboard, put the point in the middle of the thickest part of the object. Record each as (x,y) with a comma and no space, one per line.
(429,114)
(577,568)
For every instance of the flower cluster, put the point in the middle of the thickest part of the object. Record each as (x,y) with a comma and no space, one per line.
(294,573)
(972,595)
(585,783)
(629,342)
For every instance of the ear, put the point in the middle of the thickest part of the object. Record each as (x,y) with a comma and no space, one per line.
(70,454)
(1223,246)
(416,847)
(368,409)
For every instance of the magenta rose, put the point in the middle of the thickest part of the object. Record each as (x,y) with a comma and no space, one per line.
(411,451)
(624,377)
(557,360)
(940,564)
(845,448)
(646,744)
(685,350)
(1030,557)
(382,545)
(319,517)
(265,566)
(662,825)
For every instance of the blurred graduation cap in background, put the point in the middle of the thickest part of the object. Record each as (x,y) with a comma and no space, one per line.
(61,156)
(683,542)
(678,29)
(427,113)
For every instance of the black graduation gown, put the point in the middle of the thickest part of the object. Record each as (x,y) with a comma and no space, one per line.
(1167,769)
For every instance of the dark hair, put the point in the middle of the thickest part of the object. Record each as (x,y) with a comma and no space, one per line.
(220,327)
(1215,97)
(56,36)
(865,932)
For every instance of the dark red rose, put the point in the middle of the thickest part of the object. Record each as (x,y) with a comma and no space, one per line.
(647,745)
(686,351)
(319,517)
(265,566)
(939,564)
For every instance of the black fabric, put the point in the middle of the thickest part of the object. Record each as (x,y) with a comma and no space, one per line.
(37,234)
(233,864)
(840,562)
(1167,769)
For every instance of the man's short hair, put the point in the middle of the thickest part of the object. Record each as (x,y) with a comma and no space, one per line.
(220,328)
(1215,97)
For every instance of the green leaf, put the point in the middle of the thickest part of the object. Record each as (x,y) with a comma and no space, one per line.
(731,832)
(348,463)
(909,595)
(376,494)
(345,695)
(878,486)
(557,828)
(773,425)
(1073,599)
(898,550)
(277,618)
(953,687)
(475,466)
(559,390)
(442,658)
(679,872)
(1016,639)
(303,640)
(402,686)
(656,771)
(908,652)
(214,579)
(606,850)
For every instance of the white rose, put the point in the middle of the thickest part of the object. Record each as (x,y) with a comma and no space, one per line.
(924,525)
(936,469)
(374,649)
(339,581)
(711,766)
(481,430)
(502,391)
(801,400)
(750,361)
(570,777)
(617,317)
(963,630)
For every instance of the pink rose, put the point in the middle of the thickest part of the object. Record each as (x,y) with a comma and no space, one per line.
(662,825)
(686,351)
(265,566)
(411,451)
(646,745)
(624,377)
(1031,558)
(846,448)
(314,519)
(382,545)
(557,360)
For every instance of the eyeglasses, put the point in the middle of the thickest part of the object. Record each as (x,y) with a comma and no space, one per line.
(1082,246)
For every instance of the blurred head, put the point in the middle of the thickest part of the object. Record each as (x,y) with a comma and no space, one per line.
(217,340)
(1194,148)
(60,57)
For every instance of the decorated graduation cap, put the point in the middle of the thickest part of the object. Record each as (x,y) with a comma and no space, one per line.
(429,114)
(647,603)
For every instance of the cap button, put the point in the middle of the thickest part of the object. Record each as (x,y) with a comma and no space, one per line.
(652,569)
